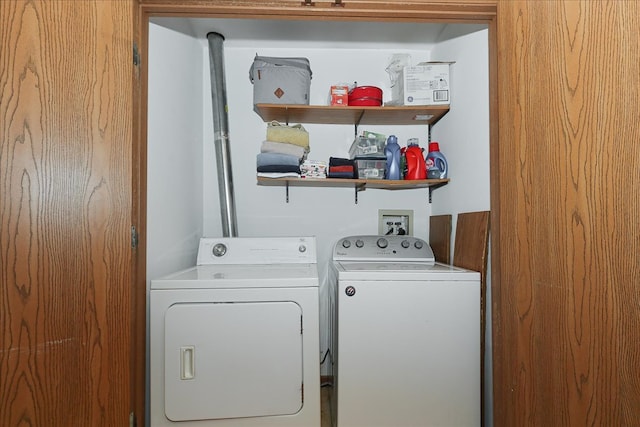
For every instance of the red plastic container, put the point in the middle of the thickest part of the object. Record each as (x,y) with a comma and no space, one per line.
(364,96)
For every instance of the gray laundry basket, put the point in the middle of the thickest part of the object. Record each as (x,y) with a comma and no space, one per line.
(280,80)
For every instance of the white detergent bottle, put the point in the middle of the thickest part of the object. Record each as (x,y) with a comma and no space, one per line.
(436,162)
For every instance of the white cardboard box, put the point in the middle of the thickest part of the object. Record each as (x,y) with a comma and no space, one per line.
(427,83)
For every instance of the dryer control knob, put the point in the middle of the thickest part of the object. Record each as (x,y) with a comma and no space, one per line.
(346,244)
(418,244)
(219,250)
(405,244)
(359,243)
(382,243)
(302,249)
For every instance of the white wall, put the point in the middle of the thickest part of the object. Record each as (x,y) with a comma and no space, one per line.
(174,150)
(463,133)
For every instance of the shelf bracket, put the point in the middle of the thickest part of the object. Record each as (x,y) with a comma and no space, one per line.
(287,192)
(358,188)
(433,187)
(357,123)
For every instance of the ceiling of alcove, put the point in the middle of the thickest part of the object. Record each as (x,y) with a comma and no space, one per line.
(326,34)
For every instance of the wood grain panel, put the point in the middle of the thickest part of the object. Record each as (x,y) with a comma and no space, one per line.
(65,212)
(397,10)
(440,237)
(566,306)
(471,251)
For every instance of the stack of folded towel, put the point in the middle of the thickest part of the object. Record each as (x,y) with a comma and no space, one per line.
(342,168)
(285,148)
(272,164)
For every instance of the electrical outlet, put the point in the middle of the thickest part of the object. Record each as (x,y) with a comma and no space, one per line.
(395,222)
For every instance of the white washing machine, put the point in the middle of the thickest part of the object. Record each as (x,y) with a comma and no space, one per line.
(406,336)
(235,339)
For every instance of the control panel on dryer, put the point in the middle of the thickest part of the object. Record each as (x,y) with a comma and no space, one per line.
(257,250)
(383,249)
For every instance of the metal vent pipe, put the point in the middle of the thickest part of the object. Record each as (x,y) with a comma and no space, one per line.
(221,135)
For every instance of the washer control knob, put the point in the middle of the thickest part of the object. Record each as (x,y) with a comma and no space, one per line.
(382,243)
(219,249)
(405,244)
(302,249)
(359,243)
(346,244)
(418,244)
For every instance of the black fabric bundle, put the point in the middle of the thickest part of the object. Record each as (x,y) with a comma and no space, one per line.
(342,168)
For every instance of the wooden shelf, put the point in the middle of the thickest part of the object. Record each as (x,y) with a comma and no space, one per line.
(357,184)
(386,184)
(323,114)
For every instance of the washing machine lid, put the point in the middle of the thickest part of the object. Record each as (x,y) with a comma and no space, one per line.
(402,271)
(240,276)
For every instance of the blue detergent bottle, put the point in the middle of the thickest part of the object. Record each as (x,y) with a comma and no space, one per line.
(436,162)
(392,152)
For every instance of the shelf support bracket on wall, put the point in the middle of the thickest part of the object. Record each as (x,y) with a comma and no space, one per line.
(286,120)
(433,187)
(357,123)
(358,188)
(287,192)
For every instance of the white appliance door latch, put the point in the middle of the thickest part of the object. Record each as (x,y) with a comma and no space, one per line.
(187,362)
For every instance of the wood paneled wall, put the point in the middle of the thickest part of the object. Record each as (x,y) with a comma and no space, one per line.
(566,305)
(65,212)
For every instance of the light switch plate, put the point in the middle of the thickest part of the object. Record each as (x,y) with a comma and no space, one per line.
(395,222)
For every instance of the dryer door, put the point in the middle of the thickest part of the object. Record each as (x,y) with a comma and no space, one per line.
(230,360)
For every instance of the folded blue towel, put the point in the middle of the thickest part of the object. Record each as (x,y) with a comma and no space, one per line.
(267,159)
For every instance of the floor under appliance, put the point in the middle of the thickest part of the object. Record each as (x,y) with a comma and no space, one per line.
(235,340)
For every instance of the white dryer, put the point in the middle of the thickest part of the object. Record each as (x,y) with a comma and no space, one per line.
(234,341)
(406,336)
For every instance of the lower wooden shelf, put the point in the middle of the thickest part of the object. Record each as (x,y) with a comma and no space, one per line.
(357,184)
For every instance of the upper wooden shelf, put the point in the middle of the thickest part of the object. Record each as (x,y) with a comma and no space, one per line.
(324,114)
